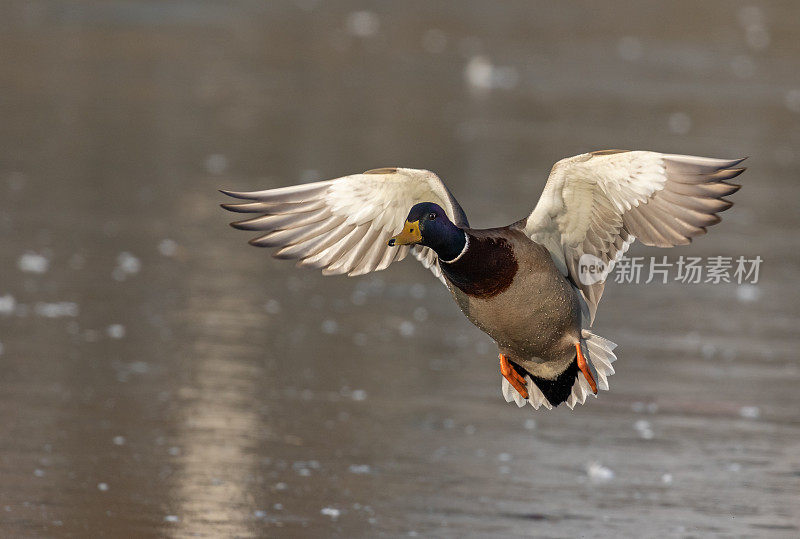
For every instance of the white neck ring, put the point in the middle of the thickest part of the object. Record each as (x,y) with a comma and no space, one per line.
(464,250)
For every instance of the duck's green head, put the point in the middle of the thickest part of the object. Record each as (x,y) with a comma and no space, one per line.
(427,224)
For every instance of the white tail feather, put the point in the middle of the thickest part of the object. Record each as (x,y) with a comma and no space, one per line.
(599,353)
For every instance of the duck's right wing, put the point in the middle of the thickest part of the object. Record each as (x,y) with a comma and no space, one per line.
(343,225)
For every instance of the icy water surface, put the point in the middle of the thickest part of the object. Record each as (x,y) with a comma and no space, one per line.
(163,378)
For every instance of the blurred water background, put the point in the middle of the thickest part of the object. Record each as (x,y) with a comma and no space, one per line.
(160,377)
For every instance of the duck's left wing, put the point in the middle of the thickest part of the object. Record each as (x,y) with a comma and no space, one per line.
(343,225)
(598,203)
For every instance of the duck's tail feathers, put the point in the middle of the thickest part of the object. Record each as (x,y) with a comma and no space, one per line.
(600,357)
(599,353)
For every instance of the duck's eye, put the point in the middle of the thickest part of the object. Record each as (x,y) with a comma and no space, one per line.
(431,216)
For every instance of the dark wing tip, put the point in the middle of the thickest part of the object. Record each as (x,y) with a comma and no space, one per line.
(728,205)
(235,194)
(729,163)
(246,224)
(735,172)
(256,242)
(734,162)
(607,152)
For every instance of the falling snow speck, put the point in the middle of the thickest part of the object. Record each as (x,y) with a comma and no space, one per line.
(33,263)
(331,512)
(358,297)
(748,293)
(358,395)
(360,469)
(272,306)
(172,518)
(118,440)
(115,331)
(38,472)
(7,304)
(363,23)
(102,486)
(418,291)
(56,310)
(330,327)
(139,367)
(750,412)
(644,429)
(167,247)
(598,473)
(792,100)
(481,75)
(757,36)
(127,264)
(407,328)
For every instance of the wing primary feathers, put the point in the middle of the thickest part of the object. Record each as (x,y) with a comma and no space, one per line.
(699,165)
(342,225)
(275,208)
(281,221)
(596,203)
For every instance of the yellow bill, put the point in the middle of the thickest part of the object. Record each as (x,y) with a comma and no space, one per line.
(409,235)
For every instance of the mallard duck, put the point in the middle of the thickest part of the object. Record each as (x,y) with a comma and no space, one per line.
(521,284)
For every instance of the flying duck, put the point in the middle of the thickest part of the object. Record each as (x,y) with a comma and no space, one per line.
(526,284)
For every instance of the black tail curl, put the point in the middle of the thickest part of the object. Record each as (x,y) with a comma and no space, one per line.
(557,390)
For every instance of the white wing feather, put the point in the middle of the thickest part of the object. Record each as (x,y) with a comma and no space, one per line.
(343,225)
(600,202)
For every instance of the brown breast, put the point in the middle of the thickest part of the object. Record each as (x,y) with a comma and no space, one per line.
(486,269)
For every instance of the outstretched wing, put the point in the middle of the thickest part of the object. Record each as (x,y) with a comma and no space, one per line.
(343,225)
(598,203)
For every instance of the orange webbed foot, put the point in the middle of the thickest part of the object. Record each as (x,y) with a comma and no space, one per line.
(513,377)
(584,367)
